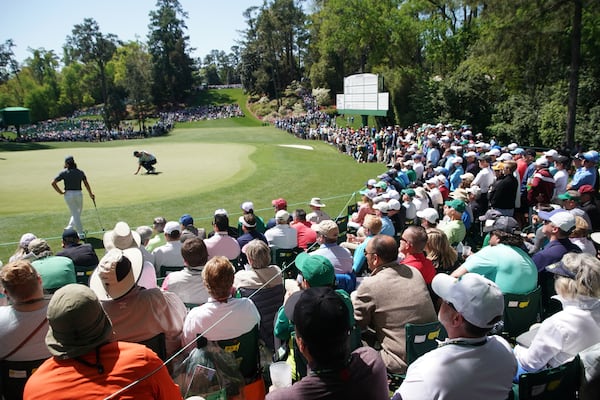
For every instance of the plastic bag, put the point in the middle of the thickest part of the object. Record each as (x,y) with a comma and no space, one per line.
(209,372)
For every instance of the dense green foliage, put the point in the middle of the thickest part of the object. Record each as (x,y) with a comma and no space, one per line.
(519,70)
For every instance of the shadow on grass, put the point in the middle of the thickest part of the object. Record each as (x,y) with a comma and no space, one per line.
(5,146)
(207,97)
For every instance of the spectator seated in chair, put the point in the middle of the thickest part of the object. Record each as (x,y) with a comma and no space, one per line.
(335,371)
(469,364)
(85,363)
(23,326)
(563,335)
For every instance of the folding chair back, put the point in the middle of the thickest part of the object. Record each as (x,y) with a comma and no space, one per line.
(342,223)
(246,350)
(14,375)
(352,208)
(165,270)
(558,383)
(157,344)
(521,311)
(422,338)
(82,274)
(283,258)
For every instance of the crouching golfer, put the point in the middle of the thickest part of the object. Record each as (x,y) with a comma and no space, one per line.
(145,160)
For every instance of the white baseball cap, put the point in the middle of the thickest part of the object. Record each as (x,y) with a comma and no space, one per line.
(394,204)
(561,218)
(479,300)
(429,214)
(247,206)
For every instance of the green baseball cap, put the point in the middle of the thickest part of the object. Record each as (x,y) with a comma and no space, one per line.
(316,270)
(457,204)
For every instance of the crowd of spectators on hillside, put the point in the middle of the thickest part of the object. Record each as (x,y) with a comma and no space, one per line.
(78,128)
(507,221)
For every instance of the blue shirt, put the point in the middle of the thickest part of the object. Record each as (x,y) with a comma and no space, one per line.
(387,227)
(583,176)
(455,178)
(359,255)
(553,252)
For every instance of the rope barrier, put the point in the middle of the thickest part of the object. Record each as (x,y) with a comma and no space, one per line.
(209,218)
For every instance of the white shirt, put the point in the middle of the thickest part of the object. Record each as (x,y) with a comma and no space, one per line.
(240,316)
(282,236)
(15,326)
(436,197)
(463,370)
(560,182)
(340,257)
(562,335)
(484,179)
(188,285)
(169,254)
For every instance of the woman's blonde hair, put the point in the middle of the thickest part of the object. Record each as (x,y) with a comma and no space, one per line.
(218,277)
(438,249)
(258,253)
(586,269)
(581,228)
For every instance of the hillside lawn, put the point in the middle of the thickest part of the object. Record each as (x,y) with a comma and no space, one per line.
(202,166)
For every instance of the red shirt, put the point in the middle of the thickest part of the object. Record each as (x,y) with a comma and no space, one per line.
(305,234)
(444,191)
(423,264)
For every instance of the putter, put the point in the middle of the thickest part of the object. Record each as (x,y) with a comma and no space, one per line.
(98,215)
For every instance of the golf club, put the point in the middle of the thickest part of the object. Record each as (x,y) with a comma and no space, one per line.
(98,215)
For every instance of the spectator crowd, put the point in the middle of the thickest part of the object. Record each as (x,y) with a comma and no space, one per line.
(452,228)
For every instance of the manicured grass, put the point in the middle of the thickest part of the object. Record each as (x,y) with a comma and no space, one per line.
(204,166)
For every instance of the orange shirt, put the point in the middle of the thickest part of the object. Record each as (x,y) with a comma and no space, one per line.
(123,364)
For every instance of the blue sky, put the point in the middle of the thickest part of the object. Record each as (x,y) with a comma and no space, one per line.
(47,23)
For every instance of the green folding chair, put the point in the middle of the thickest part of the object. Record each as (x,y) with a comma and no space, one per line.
(246,351)
(165,270)
(422,338)
(352,208)
(342,223)
(82,274)
(521,311)
(284,259)
(558,383)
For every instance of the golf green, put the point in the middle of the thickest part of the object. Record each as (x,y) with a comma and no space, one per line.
(199,170)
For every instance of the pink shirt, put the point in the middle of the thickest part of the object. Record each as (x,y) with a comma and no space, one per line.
(221,244)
